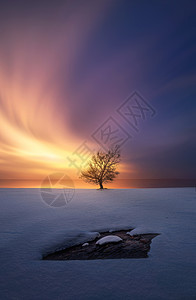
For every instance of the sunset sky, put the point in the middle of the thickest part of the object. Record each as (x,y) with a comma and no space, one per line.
(66,67)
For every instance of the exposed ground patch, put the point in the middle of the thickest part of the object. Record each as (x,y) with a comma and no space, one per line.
(136,246)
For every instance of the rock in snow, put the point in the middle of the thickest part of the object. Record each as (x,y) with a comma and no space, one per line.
(108,239)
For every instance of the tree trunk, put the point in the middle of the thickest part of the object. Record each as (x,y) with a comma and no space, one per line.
(101,185)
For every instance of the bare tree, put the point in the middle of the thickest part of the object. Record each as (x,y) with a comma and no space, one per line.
(102,167)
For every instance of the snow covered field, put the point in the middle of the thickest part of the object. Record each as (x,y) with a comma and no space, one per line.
(30,228)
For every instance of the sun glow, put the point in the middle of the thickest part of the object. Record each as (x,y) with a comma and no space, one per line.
(33,135)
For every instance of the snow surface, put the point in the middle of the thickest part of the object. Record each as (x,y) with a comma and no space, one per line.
(108,239)
(141,230)
(30,228)
(85,244)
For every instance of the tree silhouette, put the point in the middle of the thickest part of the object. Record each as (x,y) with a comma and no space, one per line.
(102,167)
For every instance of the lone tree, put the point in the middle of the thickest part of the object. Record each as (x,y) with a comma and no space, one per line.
(102,167)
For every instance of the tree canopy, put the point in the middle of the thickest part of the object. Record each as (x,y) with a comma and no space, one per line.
(102,167)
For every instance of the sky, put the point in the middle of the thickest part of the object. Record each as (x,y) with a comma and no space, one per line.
(73,75)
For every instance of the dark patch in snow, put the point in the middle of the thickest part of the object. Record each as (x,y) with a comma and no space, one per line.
(136,246)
